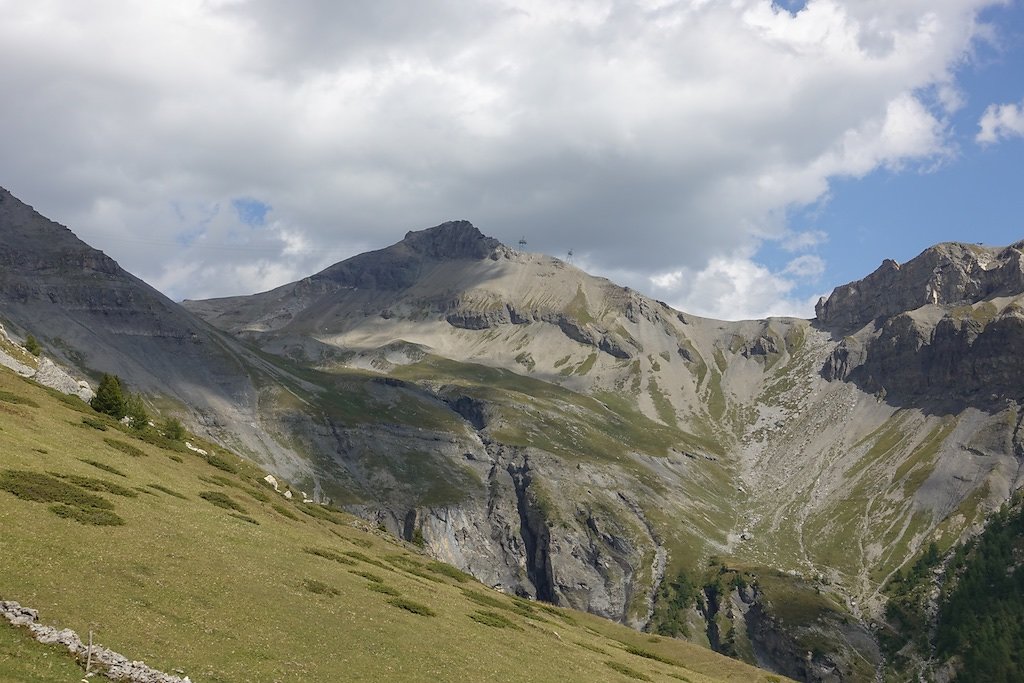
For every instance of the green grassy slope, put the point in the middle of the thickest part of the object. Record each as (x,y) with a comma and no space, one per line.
(214,573)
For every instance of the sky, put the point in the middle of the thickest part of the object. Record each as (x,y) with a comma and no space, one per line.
(733,158)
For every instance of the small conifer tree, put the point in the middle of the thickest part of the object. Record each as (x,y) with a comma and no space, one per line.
(109,397)
(136,412)
(32,345)
(173,430)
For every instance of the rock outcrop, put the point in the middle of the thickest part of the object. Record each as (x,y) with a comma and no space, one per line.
(942,328)
(101,660)
(946,275)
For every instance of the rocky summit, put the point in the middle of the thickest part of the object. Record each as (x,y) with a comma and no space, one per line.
(753,486)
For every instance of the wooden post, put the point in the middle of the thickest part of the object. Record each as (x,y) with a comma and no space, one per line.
(88,660)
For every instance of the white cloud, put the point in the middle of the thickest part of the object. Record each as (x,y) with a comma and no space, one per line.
(737,288)
(999,122)
(807,266)
(654,136)
(800,241)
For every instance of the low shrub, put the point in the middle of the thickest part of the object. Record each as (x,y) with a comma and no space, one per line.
(494,620)
(87,515)
(449,571)
(383,588)
(98,485)
(95,423)
(103,466)
(222,464)
(221,500)
(411,606)
(356,555)
(330,555)
(647,654)
(9,397)
(124,447)
(244,518)
(627,671)
(319,587)
(169,492)
(44,488)
(369,576)
(284,512)
(258,495)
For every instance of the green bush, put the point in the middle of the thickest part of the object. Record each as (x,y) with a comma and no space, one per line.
(383,588)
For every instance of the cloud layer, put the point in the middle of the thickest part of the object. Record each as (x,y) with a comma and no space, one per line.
(664,142)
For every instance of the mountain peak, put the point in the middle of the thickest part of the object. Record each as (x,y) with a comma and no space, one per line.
(452,240)
(950,273)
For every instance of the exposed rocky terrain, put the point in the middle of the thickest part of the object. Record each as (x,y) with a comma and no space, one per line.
(565,438)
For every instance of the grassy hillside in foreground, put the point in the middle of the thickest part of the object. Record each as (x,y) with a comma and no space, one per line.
(193,563)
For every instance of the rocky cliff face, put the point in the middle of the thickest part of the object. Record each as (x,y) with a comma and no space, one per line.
(948,274)
(942,328)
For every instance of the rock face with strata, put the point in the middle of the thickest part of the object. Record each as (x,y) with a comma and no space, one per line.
(943,327)
(92,315)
